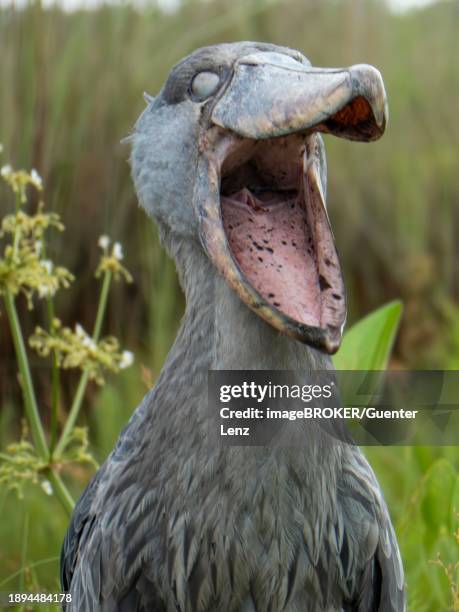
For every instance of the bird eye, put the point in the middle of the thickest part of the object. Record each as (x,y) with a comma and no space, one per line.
(205,84)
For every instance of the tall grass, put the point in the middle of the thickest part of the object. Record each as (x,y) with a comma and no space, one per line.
(71,87)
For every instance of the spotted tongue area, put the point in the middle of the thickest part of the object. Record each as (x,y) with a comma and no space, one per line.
(273,246)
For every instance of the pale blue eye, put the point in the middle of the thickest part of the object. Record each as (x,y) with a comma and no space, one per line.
(205,84)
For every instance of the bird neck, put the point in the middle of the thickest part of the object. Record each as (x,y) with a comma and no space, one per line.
(219,331)
(222,332)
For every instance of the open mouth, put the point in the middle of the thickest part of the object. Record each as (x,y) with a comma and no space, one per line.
(278,231)
(260,197)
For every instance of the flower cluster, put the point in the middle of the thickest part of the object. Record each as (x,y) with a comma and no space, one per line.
(31,275)
(26,269)
(23,266)
(76,450)
(19,179)
(20,463)
(76,349)
(30,227)
(111,260)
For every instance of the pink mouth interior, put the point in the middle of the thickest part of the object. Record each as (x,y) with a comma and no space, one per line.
(271,241)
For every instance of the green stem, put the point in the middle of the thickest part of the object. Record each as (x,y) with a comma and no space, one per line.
(31,566)
(79,395)
(73,414)
(102,305)
(61,491)
(25,542)
(30,401)
(55,382)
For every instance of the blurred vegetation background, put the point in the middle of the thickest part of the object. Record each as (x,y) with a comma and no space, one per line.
(71,88)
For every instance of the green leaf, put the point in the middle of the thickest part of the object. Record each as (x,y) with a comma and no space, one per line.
(368,344)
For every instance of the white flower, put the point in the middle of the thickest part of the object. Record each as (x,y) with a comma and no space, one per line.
(104,241)
(47,265)
(38,247)
(45,291)
(36,179)
(89,343)
(80,331)
(47,487)
(85,338)
(118,251)
(127,359)
(6,171)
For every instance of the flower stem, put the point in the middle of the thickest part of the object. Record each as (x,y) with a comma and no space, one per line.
(73,414)
(102,305)
(55,386)
(25,543)
(79,395)
(61,491)
(30,401)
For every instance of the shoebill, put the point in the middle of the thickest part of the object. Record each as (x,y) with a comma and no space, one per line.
(229,161)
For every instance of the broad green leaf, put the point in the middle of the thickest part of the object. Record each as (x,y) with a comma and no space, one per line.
(367,345)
